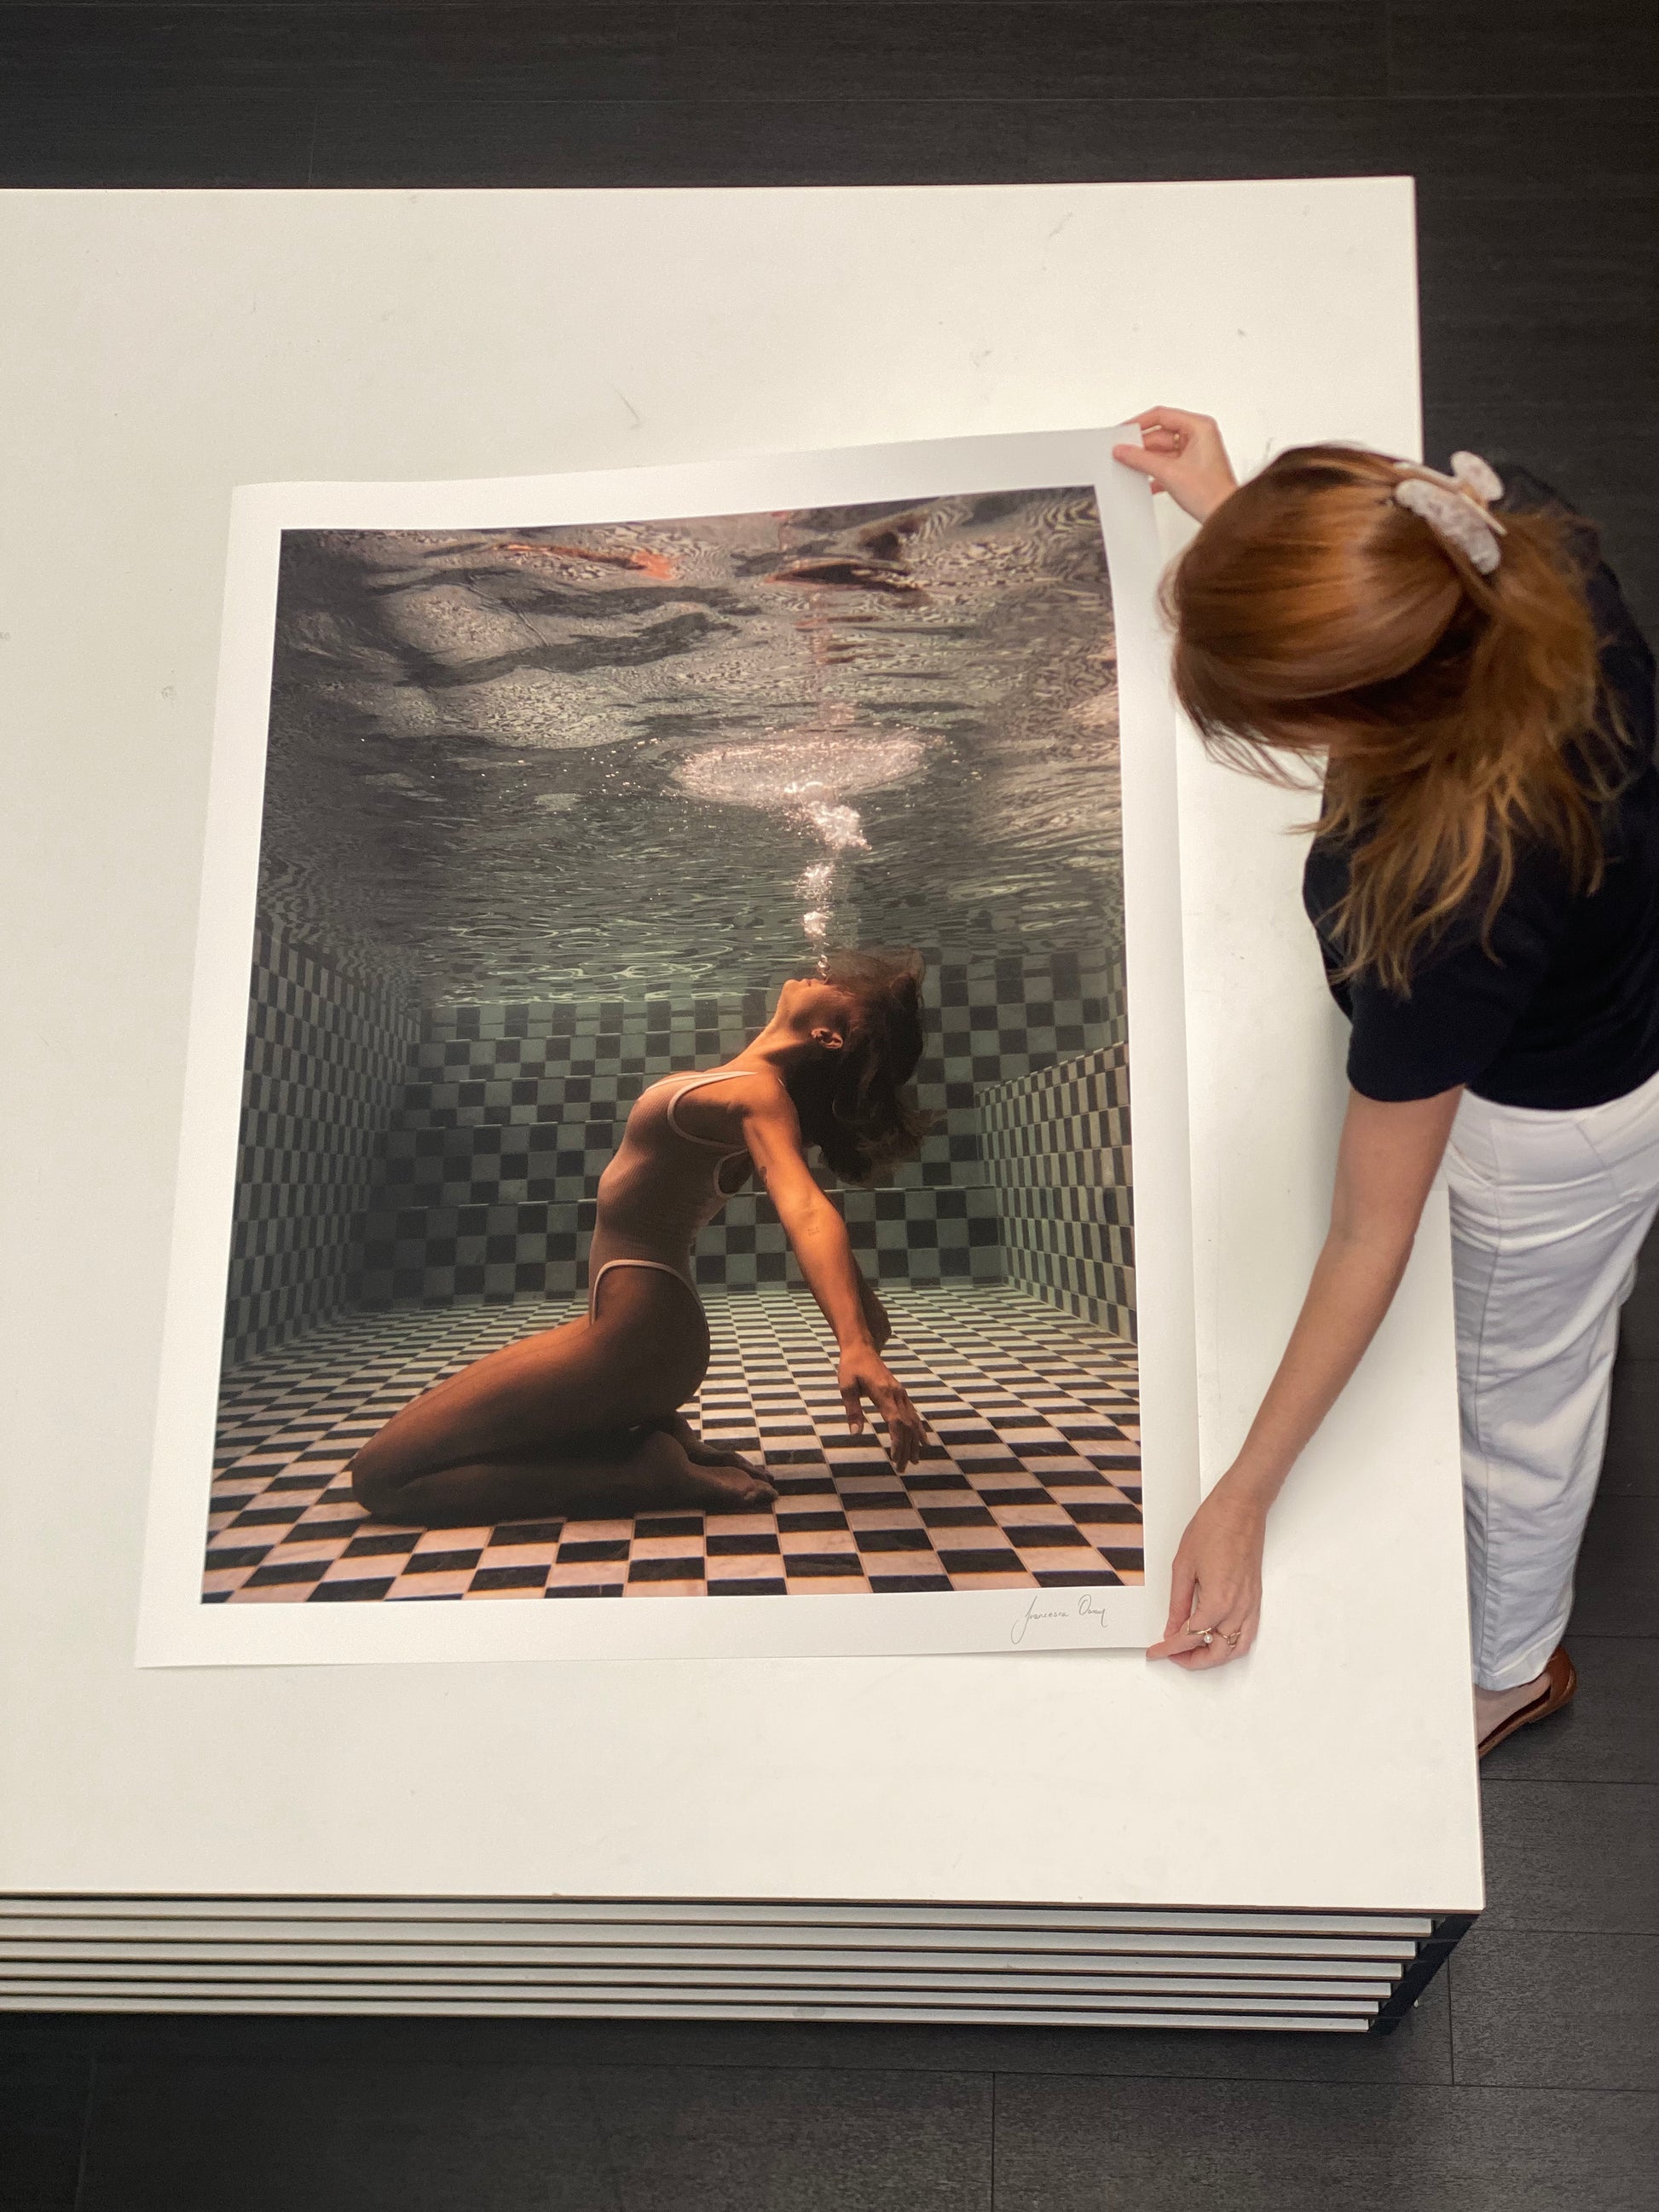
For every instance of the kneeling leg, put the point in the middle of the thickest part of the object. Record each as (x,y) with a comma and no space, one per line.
(592,1478)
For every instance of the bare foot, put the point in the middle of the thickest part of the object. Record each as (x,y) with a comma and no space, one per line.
(727,1490)
(657,1476)
(678,1482)
(702,1453)
(1493,1707)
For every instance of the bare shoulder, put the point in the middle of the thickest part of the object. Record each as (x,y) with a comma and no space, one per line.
(729,1110)
(771,1130)
(761,1104)
(760,1093)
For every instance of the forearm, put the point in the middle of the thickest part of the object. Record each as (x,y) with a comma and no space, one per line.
(1385,1164)
(1352,1288)
(875,1314)
(819,1238)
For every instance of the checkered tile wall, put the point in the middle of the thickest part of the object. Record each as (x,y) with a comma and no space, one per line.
(326,1059)
(490,1166)
(1057,1146)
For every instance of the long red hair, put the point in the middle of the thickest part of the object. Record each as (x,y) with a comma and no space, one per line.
(1456,713)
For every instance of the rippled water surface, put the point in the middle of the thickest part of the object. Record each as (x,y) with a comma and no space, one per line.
(539,762)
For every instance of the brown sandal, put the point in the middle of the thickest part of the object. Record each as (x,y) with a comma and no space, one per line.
(1560,1687)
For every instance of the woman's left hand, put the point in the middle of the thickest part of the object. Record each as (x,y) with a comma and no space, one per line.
(1216,1585)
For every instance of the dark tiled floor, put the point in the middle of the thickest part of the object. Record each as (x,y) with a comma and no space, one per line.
(1526,2079)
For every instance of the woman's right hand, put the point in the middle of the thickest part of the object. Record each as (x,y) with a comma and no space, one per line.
(863,1373)
(1184,456)
(1215,1583)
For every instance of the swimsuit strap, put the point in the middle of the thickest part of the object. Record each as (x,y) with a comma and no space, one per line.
(708,1144)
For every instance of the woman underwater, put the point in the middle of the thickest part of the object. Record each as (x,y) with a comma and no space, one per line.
(583,1420)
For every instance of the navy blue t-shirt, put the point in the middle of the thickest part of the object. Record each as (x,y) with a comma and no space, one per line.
(1563,1011)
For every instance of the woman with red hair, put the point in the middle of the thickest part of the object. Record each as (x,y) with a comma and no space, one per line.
(1456,659)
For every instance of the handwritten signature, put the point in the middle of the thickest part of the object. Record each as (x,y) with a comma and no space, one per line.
(1086,1606)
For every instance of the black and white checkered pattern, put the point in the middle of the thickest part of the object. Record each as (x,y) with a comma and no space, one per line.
(492,1164)
(325,1059)
(1031,1479)
(1057,1143)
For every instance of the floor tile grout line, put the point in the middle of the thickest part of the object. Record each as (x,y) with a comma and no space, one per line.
(500,94)
(484,97)
(991,2163)
(1104,2078)
(389,10)
(1572,1935)
(488,95)
(1448,1969)
(84,2153)
(968,2063)
(1449,2032)
(1567,1781)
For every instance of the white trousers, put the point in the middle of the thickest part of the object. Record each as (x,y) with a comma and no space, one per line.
(1548,1212)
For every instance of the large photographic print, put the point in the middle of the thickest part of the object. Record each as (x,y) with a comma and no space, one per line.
(682,1170)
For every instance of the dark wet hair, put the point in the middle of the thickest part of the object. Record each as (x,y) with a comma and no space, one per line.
(851,1102)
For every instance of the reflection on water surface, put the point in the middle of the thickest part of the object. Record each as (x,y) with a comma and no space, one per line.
(535,763)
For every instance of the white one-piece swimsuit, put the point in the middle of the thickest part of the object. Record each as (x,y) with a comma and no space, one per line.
(662,1187)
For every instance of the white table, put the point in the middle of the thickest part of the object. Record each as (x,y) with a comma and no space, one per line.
(165,347)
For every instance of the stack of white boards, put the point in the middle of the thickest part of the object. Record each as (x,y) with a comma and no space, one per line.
(575,1959)
(1082,1838)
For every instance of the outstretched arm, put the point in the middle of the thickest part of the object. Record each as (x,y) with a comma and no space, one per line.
(819,1234)
(875,1318)
(1385,1164)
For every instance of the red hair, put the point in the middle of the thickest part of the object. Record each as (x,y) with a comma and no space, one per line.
(1455,713)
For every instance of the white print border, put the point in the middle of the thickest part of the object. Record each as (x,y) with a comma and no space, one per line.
(175,1627)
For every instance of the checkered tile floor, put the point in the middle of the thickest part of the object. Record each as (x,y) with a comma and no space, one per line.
(1032,1480)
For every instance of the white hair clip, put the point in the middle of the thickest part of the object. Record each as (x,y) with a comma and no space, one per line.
(1457,507)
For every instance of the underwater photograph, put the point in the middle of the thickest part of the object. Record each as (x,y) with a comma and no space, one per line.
(684,1146)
